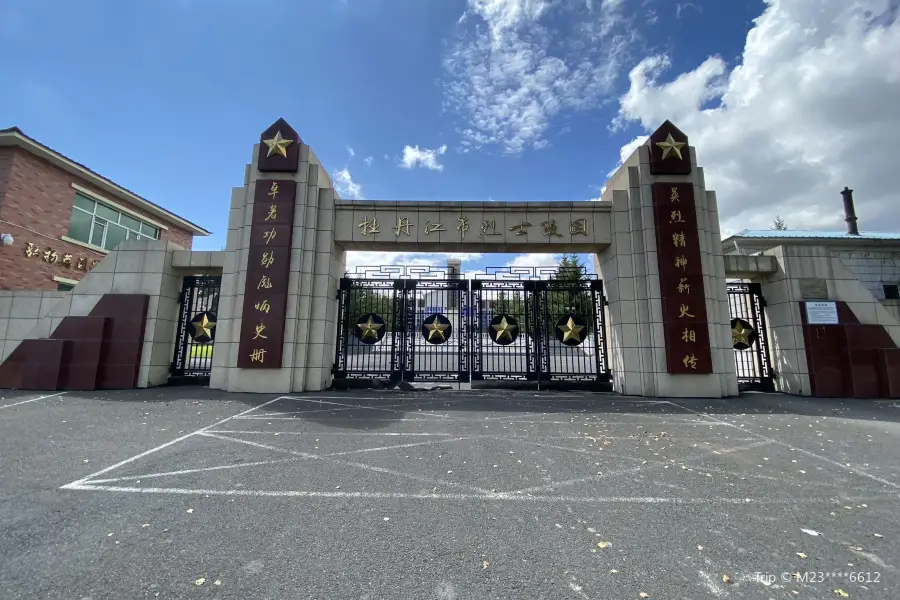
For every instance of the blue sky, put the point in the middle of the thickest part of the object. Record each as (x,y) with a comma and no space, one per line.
(527,96)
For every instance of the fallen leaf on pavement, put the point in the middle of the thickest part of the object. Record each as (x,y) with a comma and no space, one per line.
(613,571)
(841,593)
(603,545)
(727,579)
(190,510)
(811,532)
(200,581)
(217,582)
(644,595)
(700,548)
(801,555)
(484,565)
(877,535)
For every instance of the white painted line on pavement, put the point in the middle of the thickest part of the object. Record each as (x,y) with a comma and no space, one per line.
(189,471)
(69,486)
(362,466)
(835,463)
(31,400)
(500,496)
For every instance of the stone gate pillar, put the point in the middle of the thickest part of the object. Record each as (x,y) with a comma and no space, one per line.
(278,306)
(668,330)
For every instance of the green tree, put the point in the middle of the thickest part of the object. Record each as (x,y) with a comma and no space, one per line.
(778,224)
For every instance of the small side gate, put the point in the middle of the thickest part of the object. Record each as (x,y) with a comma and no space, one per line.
(503,327)
(196,332)
(749,337)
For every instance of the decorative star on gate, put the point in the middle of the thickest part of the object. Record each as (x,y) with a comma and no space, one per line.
(570,329)
(670,146)
(277,145)
(438,330)
(203,324)
(505,330)
(370,328)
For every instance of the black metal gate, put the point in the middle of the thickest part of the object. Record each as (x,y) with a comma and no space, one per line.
(529,328)
(403,329)
(749,337)
(509,325)
(196,332)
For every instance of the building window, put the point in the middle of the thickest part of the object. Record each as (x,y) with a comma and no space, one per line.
(64,287)
(891,291)
(99,225)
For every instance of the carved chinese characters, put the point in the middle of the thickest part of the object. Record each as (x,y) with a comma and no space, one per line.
(681,279)
(371,227)
(63,259)
(261,340)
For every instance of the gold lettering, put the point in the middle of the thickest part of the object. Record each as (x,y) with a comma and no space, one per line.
(679,240)
(550,228)
(259,329)
(684,311)
(31,250)
(273,191)
(683,286)
(488,227)
(688,335)
(690,361)
(269,235)
(262,306)
(268,259)
(429,227)
(50,256)
(579,227)
(94,263)
(681,262)
(258,355)
(273,212)
(264,283)
(403,226)
(463,225)
(366,226)
(520,228)
(675,217)
(67,260)
(82,264)
(673,197)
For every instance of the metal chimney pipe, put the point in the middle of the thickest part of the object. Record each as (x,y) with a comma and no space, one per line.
(849,211)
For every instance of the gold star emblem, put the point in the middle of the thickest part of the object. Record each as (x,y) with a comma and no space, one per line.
(504,329)
(370,328)
(571,330)
(277,145)
(740,334)
(670,145)
(203,326)
(436,329)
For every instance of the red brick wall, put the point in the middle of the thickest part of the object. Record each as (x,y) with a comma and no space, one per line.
(38,196)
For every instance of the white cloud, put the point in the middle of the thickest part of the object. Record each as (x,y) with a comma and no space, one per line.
(350,151)
(369,160)
(346,187)
(356,259)
(423,157)
(811,108)
(509,75)
(535,260)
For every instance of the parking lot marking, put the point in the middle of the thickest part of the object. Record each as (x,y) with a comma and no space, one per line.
(189,471)
(500,496)
(362,466)
(32,400)
(429,443)
(835,463)
(79,482)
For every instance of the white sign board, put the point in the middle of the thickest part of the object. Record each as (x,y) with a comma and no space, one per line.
(821,313)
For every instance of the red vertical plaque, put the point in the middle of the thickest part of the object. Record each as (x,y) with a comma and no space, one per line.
(681,279)
(261,342)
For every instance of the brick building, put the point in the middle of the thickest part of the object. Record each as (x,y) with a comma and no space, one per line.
(63,217)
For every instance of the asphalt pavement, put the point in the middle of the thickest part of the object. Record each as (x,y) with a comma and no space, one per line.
(192,493)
